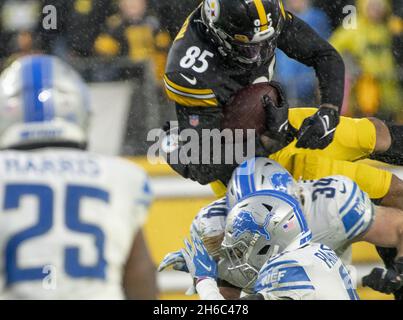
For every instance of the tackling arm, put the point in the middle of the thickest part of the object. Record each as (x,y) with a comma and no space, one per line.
(139,281)
(387,229)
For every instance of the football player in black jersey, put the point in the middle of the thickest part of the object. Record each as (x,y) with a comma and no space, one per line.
(225,45)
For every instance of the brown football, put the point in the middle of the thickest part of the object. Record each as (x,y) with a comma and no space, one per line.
(245,109)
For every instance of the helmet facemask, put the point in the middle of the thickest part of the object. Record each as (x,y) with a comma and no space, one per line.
(244,53)
(245,258)
(258,228)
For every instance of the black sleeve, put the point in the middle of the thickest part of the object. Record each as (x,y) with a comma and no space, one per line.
(300,42)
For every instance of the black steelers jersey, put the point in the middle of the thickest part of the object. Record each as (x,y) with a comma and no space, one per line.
(200,80)
(197,75)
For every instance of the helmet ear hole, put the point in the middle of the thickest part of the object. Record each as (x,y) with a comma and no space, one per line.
(264,250)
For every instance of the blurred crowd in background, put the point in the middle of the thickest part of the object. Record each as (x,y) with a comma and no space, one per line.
(107,39)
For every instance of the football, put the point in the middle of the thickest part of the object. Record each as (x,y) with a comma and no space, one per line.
(245,109)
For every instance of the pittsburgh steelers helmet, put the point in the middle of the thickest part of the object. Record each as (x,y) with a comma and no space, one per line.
(244,30)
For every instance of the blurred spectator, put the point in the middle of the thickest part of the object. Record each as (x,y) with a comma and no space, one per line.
(135,34)
(334,10)
(85,21)
(396,27)
(173,13)
(299,80)
(371,67)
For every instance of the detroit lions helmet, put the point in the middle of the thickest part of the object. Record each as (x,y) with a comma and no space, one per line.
(259,174)
(264,224)
(42,101)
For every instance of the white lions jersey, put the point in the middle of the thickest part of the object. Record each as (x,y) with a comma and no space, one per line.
(336,209)
(67,223)
(313,272)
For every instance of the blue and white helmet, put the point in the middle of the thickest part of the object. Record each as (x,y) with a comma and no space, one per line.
(42,100)
(259,227)
(258,174)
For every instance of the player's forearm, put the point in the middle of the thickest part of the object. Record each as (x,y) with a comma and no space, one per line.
(142,287)
(208,290)
(387,229)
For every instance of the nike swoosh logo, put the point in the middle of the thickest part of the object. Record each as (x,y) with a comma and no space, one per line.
(328,132)
(327,121)
(191,81)
(208,268)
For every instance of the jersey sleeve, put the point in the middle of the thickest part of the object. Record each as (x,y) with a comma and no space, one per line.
(285,280)
(355,208)
(209,224)
(188,90)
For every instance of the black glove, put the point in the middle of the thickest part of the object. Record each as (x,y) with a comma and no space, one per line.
(278,127)
(383,280)
(317,131)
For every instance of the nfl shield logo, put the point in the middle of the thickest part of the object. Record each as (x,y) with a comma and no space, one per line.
(289,225)
(194,120)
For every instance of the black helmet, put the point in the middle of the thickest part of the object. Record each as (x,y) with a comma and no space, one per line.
(244,30)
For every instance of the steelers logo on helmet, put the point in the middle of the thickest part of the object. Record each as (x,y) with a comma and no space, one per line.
(244,31)
(212,10)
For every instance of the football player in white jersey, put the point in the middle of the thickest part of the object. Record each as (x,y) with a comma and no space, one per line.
(337,211)
(71,220)
(267,242)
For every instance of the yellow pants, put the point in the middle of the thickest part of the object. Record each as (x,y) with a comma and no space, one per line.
(354,140)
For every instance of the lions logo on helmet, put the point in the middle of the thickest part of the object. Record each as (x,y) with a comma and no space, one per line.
(244,222)
(281,181)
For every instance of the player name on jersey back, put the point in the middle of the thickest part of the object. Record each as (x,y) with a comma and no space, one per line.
(68,222)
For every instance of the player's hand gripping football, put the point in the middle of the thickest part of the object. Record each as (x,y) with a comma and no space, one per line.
(278,126)
(317,131)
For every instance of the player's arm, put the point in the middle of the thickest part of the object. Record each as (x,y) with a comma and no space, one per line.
(300,42)
(139,274)
(386,230)
(381,226)
(139,281)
